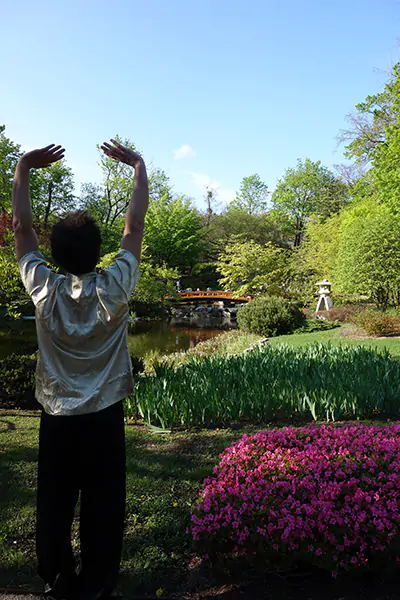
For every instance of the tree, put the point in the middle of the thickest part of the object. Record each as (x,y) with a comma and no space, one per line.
(368,260)
(252,196)
(368,126)
(92,200)
(212,203)
(159,185)
(234,225)
(248,267)
(385,173)
(10,153)
(52,192)
(316,258)
(174,233)
(109,201)
(308,189)
(155,282)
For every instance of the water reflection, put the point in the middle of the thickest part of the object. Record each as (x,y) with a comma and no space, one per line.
(20,337)
(165,337)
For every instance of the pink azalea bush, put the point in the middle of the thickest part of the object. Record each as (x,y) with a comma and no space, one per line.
(328,495)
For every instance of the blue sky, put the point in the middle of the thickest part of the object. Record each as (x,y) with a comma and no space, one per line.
(240,87)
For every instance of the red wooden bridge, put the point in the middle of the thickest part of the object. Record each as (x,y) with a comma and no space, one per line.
(213,296)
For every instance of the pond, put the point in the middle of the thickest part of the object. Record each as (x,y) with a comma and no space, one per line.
(144,336)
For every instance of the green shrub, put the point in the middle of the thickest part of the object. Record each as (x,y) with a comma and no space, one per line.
(312,325)
(375,322)
(269,316)
(17,381)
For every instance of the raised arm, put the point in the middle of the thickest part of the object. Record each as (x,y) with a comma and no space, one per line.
(136,212)
(25,236)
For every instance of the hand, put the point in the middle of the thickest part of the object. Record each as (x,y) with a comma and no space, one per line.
(122,154)
(43,157)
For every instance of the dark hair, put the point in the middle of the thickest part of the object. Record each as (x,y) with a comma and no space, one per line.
(75,243)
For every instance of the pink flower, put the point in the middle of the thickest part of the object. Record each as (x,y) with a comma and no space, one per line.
(304,487)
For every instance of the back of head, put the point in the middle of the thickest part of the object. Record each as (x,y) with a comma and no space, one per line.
(75,243)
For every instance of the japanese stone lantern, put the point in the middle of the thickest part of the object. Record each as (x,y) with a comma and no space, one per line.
(324,300)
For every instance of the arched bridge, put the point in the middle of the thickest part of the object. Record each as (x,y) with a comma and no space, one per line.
(214,296)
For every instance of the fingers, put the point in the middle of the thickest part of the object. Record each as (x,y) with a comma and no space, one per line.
(120,146)
(56,154)
(113,152)
(119,150)
(53,153)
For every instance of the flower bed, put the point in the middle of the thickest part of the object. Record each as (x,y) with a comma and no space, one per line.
(326,495)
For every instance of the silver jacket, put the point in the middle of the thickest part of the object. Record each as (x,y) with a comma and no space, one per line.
(84,362)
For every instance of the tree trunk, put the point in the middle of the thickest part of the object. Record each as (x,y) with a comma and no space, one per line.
(299,232)
(48,206)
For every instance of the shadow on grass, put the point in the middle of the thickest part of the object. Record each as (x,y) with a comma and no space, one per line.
(164,476)
(17,515)
(9,426)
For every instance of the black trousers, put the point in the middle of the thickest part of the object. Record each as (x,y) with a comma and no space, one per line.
(86,454)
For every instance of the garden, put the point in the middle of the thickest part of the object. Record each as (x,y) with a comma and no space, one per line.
(266,460)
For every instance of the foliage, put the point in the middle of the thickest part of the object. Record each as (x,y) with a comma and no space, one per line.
(252,196)
(312,325)
(159,185)
(234,226)
(155,282)
(11,288)
(110,200)
(174,232)
(10,153)
(269,316)
(316,258)
(111,233)
(326,496)
(369,125)
(277,382)
(375,322)
(5,227)
(248,266)
(369,254)
(17,381)
(385,172)
(308,189)
(52,192)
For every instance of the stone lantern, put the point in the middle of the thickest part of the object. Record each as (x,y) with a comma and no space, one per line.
(324,300)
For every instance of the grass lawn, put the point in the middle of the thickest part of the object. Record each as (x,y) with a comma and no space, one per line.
(338,336)
(165,473)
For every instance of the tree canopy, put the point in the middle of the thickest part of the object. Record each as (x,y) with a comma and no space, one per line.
(248,266)
(308,189)
(252,196)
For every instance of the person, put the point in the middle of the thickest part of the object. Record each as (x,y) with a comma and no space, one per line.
(83,374)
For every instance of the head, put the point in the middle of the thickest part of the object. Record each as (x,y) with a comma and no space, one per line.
(75,243)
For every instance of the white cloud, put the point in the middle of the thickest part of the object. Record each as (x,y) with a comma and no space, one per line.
(204,182)
(184,151)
